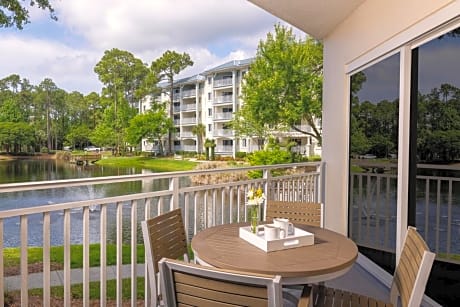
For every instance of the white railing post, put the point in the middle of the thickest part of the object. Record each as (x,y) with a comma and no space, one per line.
(174,188)
(267,175)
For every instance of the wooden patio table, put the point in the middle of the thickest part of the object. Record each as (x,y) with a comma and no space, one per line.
(331,256)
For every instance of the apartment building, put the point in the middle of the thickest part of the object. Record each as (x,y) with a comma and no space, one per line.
(210,98)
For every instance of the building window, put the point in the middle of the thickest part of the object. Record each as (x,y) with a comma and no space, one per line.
(243,143)
(209,127)
(209,96)
(209,80)
(227,110)
(210,112)
(227,142)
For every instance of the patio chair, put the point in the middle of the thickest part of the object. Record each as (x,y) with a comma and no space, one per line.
(186,284)
(297,212)
(164,236)
(409,280)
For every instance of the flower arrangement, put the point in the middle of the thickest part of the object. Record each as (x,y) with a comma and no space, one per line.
(255,199)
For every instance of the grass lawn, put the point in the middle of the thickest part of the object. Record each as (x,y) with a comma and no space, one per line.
(155,164)
(36,295)
(35,255)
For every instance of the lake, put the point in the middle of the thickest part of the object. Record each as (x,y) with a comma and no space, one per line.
(41,170)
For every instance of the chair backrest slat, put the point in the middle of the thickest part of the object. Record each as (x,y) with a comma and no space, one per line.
(412,271)
(164,236)
(190,284)
(297,212)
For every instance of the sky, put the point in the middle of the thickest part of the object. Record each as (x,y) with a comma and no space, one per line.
(212,32)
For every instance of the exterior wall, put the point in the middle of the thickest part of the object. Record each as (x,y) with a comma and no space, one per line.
(373,30)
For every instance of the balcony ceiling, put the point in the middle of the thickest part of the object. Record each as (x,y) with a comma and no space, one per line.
(315,17)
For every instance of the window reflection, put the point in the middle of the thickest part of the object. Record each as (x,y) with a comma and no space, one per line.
(373,165)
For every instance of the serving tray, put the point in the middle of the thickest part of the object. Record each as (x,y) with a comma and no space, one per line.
(298,239)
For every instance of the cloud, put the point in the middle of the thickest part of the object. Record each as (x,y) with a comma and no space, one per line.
(211,31)
(151,24)
(35,59)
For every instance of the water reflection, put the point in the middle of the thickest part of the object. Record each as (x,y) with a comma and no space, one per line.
(38,170)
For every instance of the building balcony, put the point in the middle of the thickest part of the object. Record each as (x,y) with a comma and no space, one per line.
(224,148)
(223,133)
(223,99)
(187,134)
(188,93)
(115,220)
(188,121)
(223,116)
(188,107)
(189,147)
(223,82)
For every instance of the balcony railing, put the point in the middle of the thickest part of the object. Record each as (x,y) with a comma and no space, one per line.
(188,121)
(187,134)
(373,216)
(189,147)
(204,205)
(224,148)
(188,93)
(223,99)
(223,116)
(223,132)
(188,107)
(223,82)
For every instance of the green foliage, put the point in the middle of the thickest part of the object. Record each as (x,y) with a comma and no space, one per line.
(153,125)
(283,86)
(16,137)
(272,155)
(240,155)
(14,14)
(78,136)
(166,67)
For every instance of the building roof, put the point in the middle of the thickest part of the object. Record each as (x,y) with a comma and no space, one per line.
(315,17)
(229,65)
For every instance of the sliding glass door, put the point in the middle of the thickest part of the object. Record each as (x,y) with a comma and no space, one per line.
(434,187)
(373,160)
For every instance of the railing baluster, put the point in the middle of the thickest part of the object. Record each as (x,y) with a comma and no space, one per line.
(67,272)
(86,277)
(133,253)
(147,289)
(103,259)
(24,262)
(46,259)
(2,273)
(438,213)
(427,207)
(449,219)
(119,272)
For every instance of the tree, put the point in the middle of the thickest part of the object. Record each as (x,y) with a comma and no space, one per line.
(284,83)
(46,100)
(167,66)
(153,125)
(122,74)
(200,131)
(14,14)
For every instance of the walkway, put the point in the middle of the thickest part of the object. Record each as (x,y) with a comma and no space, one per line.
(57,277)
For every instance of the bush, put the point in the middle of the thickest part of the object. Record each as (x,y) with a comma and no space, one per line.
(44,149)
(268,157)
(241,155)
(314,158)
